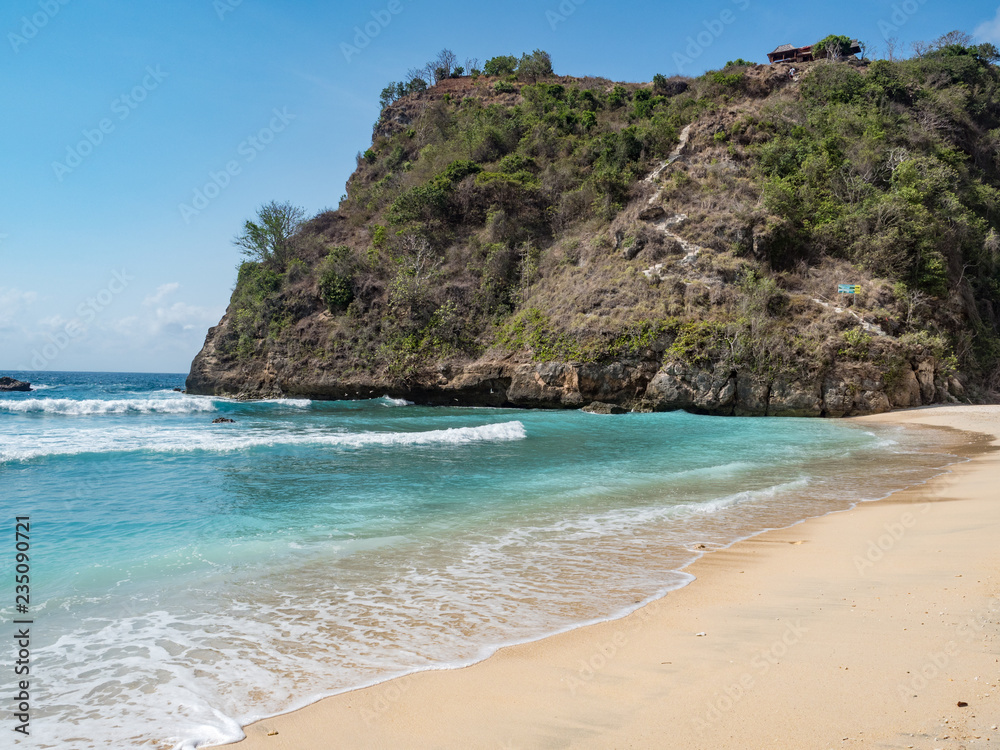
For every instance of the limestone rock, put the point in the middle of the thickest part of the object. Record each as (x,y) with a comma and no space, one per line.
(907,393)
(794,398)
(925,376)
(9,384)
(600,407)
(845,398)
(752,396)
(549,384)
(682,386)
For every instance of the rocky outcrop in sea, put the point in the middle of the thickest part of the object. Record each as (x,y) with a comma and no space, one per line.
(10,384)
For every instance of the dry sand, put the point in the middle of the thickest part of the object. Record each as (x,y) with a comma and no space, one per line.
(863,629)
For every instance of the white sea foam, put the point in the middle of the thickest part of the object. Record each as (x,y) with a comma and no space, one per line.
(95,406)
(298,403)
(232,438)
(727,501)
(390,401)
(197,671)
(586,528)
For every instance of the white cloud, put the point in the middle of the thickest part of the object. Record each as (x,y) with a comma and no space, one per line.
(155,332)
(186,317)
(158,321)
(162,291)
(13,302)
(129,326)
(989,31)
(53,322)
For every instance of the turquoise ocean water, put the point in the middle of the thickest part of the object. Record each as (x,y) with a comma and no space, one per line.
(188,577)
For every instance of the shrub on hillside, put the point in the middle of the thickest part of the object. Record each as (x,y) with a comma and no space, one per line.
(833,84)
(335,278)
(833,46)
(534,66)
(501,65)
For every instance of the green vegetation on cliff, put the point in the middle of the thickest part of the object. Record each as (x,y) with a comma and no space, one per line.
(708,222)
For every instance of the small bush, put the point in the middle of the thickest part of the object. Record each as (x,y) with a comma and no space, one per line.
(696,341)
(297,269)
(618,96)
(727,81)
(336,290)
(335,280)
(828,83)
(379,236)
(534,66)
(857,344)
(834,46)
(501,65)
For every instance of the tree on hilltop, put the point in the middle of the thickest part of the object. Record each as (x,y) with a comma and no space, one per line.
(501,65)
(833,47)
(534,66)
(269,239)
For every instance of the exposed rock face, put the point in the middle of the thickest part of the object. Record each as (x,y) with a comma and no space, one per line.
(9,384)
(839,393)
(678,386)
(674,87)
(483,383)
(599,407)
(641,384)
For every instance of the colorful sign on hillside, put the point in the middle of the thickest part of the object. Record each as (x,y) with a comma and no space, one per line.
(849,289)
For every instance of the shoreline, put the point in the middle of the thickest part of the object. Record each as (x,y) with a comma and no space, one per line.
(593,685)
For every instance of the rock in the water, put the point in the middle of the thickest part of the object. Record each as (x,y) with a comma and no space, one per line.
(222,420)
(600,407)
(9,384)
(179,390)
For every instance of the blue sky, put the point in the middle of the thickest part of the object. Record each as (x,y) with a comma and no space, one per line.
(117,113)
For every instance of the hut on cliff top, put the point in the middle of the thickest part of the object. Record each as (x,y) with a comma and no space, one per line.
(791,54)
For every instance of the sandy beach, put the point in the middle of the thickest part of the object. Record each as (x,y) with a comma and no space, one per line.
(877,627)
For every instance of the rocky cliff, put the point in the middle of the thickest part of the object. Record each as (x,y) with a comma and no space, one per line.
(636,384)
(676,245)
